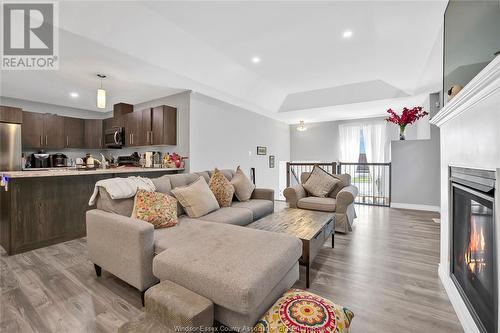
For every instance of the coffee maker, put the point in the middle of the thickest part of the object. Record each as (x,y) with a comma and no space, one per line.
(40,160)
(58,160)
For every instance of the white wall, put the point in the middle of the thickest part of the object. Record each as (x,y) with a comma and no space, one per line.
(225,136)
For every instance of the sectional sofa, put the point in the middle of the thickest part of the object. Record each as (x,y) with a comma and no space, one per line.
(241,270)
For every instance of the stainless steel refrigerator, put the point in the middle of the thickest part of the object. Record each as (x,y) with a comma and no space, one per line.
(10,147)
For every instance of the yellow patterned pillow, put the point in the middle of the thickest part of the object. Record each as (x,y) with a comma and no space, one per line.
(156,208)
(222,188)
(301,311)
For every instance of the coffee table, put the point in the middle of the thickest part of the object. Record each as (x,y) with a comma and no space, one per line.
(312,227)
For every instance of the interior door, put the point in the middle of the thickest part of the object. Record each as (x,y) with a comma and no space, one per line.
(32,130)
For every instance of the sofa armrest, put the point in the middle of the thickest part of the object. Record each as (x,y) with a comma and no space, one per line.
(263,193)
(293,194)
(345,197)
(122,246)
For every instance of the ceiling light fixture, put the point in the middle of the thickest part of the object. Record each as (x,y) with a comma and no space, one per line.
(255,60)
(347,34)
(73,94)
(101,94)
(301,127)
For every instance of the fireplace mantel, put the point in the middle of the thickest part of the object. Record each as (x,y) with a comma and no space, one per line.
(484,84)
(470,137)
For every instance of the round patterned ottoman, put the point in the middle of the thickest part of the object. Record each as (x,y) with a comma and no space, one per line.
(301,311)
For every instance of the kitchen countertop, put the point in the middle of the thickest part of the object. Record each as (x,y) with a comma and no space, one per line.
(55,172)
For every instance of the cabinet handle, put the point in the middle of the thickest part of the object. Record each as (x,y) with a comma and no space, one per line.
(67,141)
(147,136)
(100,142)
(151,137)
(46,140)
(41,140)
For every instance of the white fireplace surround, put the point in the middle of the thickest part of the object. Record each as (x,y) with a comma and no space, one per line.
(470,137)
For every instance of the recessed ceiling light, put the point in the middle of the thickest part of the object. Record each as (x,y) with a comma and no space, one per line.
(73,94)
(347,34)
(255,60)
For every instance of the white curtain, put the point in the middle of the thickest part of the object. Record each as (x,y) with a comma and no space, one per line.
(375,141)
(349,139)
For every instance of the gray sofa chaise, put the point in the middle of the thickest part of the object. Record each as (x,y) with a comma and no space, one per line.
(340,201)
(242,270)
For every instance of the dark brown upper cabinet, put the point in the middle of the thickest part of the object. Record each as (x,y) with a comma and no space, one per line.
(42,130)
(74,129)
(133,129)
(163,126)
(93,133)
(10,114)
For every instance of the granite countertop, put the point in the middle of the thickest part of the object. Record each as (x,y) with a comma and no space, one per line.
(55,172)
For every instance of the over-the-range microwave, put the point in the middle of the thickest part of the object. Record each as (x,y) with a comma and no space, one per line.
(114,137)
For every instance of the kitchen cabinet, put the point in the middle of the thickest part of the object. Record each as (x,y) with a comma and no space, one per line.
(10,114)
(74,132)
(53,127)
(32,130)
(133,129)
(93,133)
(164,126)
(42,130)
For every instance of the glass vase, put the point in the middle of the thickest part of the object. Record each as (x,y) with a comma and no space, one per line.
(402,132)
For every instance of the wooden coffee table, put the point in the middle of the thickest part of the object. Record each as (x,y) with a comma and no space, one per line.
(312,227)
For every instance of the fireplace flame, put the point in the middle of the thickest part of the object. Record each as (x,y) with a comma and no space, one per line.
(475,254)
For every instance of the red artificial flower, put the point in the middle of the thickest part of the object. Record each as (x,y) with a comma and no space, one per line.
(409,116)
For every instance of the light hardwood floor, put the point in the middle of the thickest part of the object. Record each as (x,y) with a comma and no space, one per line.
(385,271)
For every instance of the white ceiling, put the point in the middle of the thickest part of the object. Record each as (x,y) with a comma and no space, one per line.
(153,49)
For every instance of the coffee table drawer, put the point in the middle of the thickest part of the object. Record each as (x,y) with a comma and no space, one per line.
(316,243)
(328,229)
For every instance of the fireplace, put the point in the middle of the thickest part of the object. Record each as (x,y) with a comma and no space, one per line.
(473,244)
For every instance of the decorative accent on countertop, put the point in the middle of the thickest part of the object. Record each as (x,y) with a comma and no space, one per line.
(408,117)
(173,160)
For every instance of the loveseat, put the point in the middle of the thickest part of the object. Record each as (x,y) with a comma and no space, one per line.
(241,270)
(339,201)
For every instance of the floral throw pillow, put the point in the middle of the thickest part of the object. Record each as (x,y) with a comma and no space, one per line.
(156,208)
(222,188)
(301,311)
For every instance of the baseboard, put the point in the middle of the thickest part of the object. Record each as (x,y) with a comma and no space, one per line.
(458,304)
(415,207)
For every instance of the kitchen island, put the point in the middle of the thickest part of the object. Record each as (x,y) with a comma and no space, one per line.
(45,207)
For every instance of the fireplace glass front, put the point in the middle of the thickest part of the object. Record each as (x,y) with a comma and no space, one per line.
(473,264)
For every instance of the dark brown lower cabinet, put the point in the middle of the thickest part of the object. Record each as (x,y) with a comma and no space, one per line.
(41,211)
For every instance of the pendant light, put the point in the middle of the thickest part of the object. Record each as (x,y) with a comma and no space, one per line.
(101,94)
(301,127)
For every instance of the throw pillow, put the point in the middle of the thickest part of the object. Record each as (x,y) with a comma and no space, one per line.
(222,188)
(301,311)
(196,198)
(156,208)
(319,183)
(243,187)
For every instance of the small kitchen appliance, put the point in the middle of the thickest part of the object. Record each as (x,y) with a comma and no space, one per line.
(40,160)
